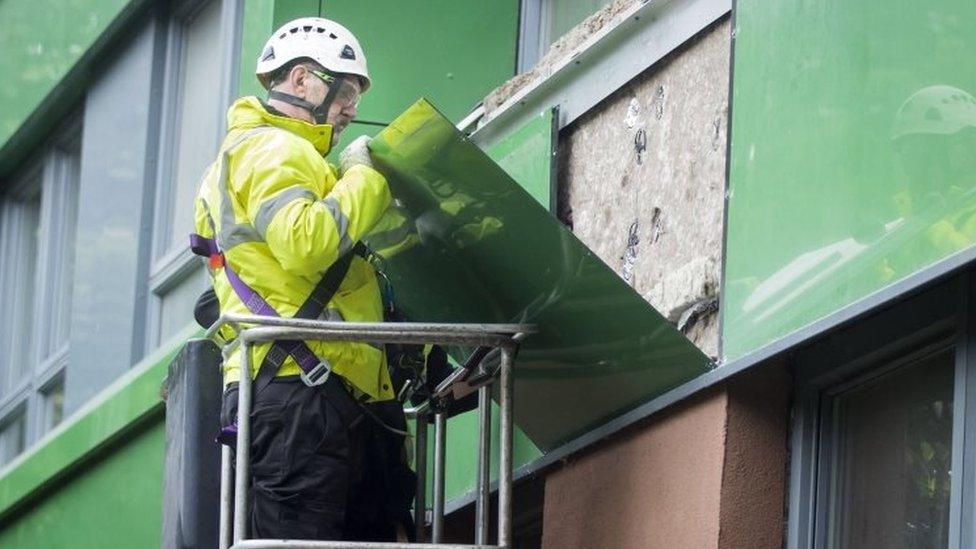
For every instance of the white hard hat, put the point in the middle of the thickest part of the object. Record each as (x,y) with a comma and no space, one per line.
(326,42)
(939,110)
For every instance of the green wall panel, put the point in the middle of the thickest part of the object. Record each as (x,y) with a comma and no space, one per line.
(257,25)
(40,41)
(853,155)
(527,156)
(286,10)
(452,51)
(115,501)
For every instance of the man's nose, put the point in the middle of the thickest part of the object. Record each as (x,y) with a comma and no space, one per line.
(351,111)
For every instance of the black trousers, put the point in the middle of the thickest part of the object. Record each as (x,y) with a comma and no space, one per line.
(321,470)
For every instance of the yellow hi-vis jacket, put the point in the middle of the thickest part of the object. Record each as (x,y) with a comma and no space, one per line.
(282,217)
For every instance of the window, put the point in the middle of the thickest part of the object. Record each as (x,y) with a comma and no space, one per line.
(890,458)
(545,21)
(176,303)
(884,418)
(52,407)
(193,125)
(196,117)
(13,437)
(19,235)
(57,253)
(38,219)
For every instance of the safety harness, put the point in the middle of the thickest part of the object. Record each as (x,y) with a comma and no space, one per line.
(315,372)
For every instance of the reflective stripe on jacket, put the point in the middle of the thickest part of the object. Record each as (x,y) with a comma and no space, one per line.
(282,217)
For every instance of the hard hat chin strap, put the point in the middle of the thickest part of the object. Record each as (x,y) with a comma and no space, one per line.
(319,112)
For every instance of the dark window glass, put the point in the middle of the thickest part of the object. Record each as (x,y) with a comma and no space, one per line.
(891,455)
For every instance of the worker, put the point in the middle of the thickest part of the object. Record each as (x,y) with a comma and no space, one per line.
(281,228)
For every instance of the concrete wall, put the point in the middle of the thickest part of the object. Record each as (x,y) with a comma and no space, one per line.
(708,473)
(754,473)
(654,487)
(642,182)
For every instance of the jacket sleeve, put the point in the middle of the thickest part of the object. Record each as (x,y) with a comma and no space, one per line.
(307,232)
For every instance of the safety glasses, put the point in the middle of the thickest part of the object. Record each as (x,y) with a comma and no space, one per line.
(348,94)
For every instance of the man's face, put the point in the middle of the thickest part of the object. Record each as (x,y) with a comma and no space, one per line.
(344,105)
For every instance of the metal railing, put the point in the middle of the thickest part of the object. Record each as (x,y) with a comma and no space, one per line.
(504,337)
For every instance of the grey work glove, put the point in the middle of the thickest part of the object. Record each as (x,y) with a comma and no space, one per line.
(356,152)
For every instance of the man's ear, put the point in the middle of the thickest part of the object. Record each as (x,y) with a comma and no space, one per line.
(297,77)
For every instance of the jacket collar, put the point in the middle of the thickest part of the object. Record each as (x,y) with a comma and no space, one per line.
(249,112)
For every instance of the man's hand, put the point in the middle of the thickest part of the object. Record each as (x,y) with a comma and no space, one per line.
(356,152)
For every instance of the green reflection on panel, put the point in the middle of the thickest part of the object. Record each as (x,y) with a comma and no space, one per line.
(527,156)
(475,247)
(853,158)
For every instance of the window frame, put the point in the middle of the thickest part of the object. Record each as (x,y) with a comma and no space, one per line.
(56,196)
(172,265)
(932,321)
(531,35)
(26,186)
(44,391)
(47,180)
(536,30)
(18,412)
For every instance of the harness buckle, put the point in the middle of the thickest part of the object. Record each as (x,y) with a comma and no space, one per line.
(317,375)
(216,261)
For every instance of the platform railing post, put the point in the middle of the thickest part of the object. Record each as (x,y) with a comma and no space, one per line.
(242,474)
(440,436)
(420,464)
(483,484)
(505,402)
(226,497)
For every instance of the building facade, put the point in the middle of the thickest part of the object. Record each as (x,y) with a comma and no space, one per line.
(790,185)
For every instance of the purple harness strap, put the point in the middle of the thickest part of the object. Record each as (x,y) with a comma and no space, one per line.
(298,350)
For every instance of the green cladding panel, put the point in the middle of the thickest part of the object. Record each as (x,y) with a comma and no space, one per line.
(468,244)
(454,51)
(527,155)
(40,41)
(853,155)
(286,10)
(116,501)
(257,24)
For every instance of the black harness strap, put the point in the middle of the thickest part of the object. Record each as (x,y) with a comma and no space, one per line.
(313,306)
